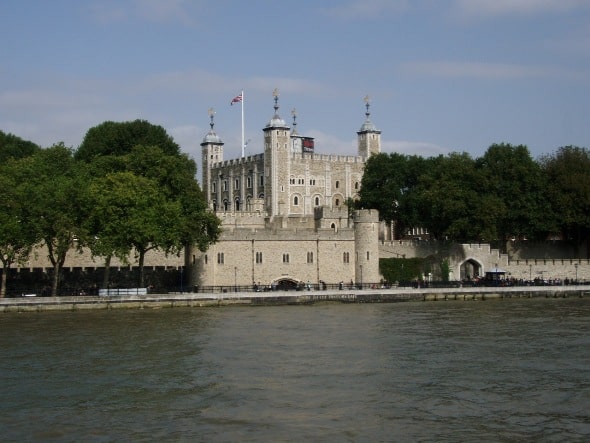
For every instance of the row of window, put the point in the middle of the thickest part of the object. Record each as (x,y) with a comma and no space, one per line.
(286,257)
(312,182)
(293,181)
(224,184)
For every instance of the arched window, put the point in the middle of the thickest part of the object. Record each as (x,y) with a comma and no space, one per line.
(237,204)
(356,185)
(317,201)
(295,201)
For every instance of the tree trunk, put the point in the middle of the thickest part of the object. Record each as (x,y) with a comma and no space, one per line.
(3,284)
(141,276)
(107,271)
(56,271)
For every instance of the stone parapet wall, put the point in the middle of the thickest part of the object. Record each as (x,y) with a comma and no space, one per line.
(487,258)
(39,259)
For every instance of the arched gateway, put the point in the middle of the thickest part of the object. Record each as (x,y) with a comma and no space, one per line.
(470,269)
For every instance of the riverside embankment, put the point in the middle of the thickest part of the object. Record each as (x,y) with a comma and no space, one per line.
(152,301)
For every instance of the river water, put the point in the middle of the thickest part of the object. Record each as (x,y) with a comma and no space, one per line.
(506,370)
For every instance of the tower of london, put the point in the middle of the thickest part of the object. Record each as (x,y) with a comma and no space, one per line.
(284,212)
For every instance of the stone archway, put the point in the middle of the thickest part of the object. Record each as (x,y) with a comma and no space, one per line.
(470,269)
(286,284)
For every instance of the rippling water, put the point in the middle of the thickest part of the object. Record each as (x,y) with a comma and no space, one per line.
(511,370)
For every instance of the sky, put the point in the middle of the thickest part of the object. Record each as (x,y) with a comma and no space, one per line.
(442,75)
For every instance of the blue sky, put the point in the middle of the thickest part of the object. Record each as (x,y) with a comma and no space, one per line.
(442,75)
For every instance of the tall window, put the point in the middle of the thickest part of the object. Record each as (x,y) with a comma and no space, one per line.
(259,257)
(310,257)
(248,182)
(337,184)
(346,257)
(295,201)
(237,183)
(220,258)
(317,201)
(285,258)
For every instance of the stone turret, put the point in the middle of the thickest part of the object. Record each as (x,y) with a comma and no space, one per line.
(212,152)
(369,137)
(366,242)
(277,138)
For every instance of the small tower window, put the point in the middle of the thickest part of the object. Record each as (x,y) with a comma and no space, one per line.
(337,184)
(295,201)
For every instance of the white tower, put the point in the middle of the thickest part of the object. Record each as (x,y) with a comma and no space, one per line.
(369,137)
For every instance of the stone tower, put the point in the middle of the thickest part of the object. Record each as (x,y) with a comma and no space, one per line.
(369,137)
(366,245)
(277,149)
(212,152)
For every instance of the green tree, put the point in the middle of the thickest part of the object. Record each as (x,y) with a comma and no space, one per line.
(568,189)
(175,175)
(147,151)
(449,202)
(387,185)
(118,138)
(17,236)
(511,175)
(129,212)
(17,233)
(54,184)
(12,146)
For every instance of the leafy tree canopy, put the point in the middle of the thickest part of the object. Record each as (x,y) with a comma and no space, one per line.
(12,146)
(118,138)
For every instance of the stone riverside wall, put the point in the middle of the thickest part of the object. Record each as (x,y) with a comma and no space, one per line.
(155,301)
(554,260)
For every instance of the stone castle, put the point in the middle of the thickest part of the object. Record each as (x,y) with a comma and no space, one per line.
(285,218)
(286,223)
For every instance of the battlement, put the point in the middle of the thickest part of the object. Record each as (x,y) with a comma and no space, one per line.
(238,161)
(334,158)
(326,212)
(366,216)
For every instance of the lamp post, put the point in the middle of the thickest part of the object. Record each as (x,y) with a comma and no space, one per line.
(576,266)
(181,280)
(530,273)
(235,279)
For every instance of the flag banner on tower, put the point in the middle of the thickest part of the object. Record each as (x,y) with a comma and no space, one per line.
(236,99)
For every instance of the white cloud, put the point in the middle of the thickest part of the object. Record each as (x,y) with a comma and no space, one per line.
(495,8)
(184,12)
(363,9)
(423,149)
(478,70)
(169,11)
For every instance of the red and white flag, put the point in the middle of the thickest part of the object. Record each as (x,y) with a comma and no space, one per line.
(236,99)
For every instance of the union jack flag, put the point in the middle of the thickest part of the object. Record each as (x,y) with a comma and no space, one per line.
(236,99)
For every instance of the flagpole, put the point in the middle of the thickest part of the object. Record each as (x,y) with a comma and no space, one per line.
(243,124)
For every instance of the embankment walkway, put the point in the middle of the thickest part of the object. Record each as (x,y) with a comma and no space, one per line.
(34,304)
